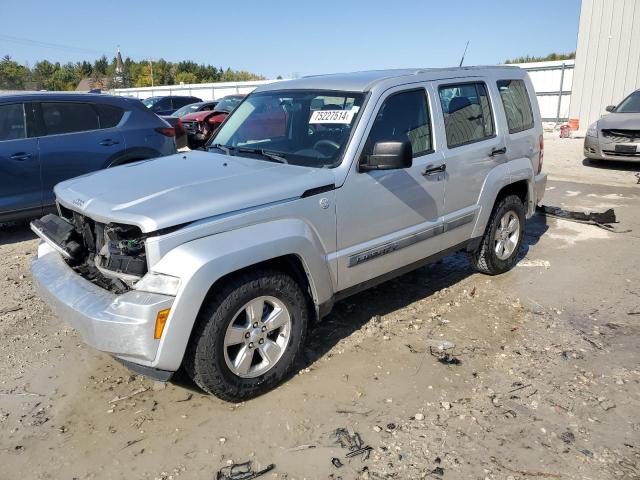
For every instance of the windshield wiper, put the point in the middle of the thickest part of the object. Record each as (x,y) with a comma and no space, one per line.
(224,148)
(259,151)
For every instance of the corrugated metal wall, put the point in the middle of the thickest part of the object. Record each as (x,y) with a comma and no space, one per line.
(607,57)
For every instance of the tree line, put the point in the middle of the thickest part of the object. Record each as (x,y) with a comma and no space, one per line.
(547,58)
(45,75)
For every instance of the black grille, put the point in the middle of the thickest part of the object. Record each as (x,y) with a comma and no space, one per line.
(622,136)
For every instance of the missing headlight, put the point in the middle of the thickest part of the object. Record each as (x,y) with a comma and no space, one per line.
(121,253)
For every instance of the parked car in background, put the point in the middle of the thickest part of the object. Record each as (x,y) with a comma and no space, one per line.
(176,123)
(181,133)
(218,261)
(195,107)
(201,125)
(616,136)
(168,104)
(49,137)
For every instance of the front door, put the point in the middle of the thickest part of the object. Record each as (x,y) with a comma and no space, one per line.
(20,185)
(387,219)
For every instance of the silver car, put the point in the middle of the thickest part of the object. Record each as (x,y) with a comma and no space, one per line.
(616,136)
(311,190)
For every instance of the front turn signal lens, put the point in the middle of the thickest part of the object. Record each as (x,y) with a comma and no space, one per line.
(161,321)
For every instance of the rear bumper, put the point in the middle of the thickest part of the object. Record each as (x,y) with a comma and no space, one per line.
(122,325)
(596,149)
(539,187)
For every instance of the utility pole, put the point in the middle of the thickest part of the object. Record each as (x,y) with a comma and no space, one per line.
(151,68)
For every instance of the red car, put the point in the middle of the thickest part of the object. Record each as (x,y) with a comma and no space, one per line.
(201,125)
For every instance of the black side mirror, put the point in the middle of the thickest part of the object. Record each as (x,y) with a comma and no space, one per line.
(611,108)
(388,156)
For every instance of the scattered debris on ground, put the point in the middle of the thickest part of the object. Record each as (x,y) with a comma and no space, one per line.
(242,471)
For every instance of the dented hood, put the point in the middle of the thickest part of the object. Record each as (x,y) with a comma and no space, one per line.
(182,188)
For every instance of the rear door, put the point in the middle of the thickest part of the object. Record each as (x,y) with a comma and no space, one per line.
(73,141)
(473,146)
(20,184)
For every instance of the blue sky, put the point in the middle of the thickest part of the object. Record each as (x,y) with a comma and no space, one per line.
(274,37)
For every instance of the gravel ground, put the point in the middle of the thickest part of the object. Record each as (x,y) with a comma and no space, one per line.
(444,373)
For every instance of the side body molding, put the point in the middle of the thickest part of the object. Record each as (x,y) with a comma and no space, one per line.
(200,263)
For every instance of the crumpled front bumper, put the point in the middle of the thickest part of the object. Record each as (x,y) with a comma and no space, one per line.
(122,325)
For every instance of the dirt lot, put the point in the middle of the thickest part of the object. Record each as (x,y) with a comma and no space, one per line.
(544,380)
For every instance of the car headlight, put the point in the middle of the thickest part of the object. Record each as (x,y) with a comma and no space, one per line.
(592,131)
(158,283)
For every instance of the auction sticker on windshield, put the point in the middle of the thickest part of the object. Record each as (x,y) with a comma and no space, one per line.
(332,116)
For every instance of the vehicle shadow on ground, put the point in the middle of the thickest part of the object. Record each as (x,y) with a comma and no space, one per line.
(15,232)
(355,312)
(612,165)
(536,227)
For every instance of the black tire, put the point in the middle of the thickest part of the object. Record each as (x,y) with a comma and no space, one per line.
(484,258)
(204,359)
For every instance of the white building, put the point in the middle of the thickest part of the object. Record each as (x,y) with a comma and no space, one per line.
(607,58)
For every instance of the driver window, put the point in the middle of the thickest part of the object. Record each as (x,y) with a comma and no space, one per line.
(403,117)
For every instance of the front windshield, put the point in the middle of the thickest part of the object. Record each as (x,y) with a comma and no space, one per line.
(631,104)
(187,109)
(227,104)
(148,102)
(309,128)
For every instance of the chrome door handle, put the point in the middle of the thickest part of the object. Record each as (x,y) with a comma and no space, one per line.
(20,156)
(498,151)
(434,170)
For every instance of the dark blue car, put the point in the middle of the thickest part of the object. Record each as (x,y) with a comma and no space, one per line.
(168,104)
(49,137)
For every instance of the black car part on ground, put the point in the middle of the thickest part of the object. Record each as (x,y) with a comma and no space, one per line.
(599,219)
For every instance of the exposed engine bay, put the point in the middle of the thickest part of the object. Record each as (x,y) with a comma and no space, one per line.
(111,256)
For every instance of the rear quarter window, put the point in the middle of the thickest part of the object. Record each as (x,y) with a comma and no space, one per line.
(108,115)
(517,105)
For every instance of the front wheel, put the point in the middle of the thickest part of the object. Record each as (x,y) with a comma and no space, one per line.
(248,335)
(502,238)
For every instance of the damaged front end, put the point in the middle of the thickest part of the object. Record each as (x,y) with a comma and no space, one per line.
(111,255)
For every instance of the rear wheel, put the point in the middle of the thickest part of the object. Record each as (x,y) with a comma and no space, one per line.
(248,335)
(502,239)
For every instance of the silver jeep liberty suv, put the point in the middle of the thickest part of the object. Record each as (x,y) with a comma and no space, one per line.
(311,190)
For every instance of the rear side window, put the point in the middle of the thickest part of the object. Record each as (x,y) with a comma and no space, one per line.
(162,104)
(403,116)
(59,117)
(467,113)
(516,105)
(181,101)
(12,124)
(108,115)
